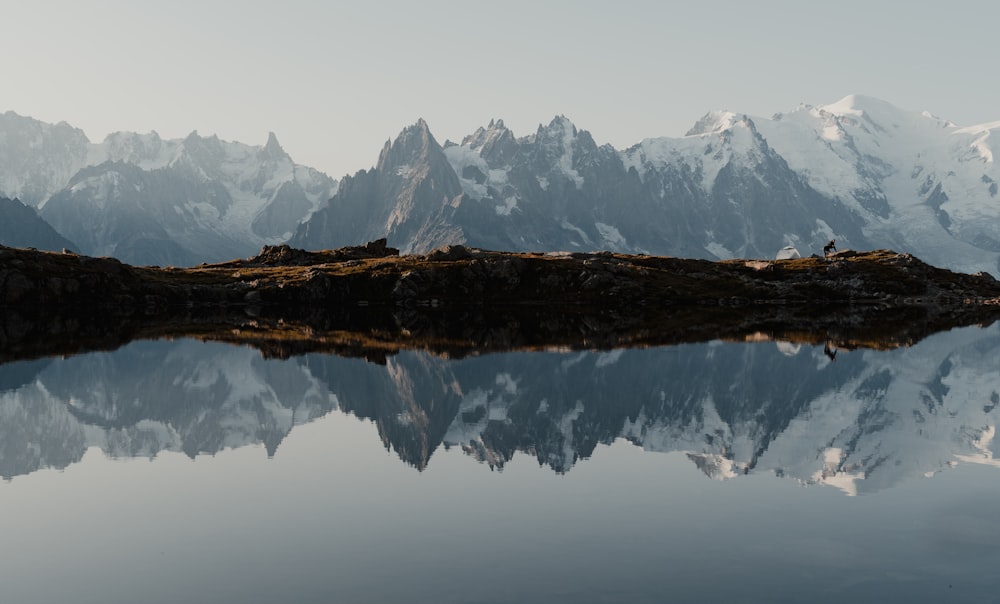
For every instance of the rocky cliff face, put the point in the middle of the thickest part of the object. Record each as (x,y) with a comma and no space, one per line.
(409,198)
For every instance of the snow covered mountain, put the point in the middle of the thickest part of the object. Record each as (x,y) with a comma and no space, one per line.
(147,200)
(924,185)
(38,159)
(860,170)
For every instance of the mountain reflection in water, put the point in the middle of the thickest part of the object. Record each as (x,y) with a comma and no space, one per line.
(603,495)
(860,420)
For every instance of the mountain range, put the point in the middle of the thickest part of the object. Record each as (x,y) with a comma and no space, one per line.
(860,171)
(147,200)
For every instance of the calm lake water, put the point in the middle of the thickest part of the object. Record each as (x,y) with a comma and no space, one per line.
(180,471)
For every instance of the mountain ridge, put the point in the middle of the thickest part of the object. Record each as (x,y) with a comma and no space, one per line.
(860,171)
(288,301)
(21,226)
(149,200)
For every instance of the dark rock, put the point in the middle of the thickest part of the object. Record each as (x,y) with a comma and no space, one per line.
(15,287)
(271,255)
(379,248)
(449,252)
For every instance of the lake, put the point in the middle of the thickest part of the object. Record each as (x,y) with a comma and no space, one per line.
(183,471)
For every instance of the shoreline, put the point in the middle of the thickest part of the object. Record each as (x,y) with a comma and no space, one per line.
(368,301)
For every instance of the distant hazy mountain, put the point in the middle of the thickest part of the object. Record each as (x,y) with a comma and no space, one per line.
(38,159)
(21,226)
(860,171)
(146,200)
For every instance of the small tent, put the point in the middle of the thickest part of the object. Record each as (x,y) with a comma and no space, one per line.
(788,252)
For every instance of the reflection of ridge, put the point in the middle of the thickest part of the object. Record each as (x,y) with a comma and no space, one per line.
(914,413)
(412,399)
(155,396)
(37,433)
(713,399)
(862,423)
(19,373)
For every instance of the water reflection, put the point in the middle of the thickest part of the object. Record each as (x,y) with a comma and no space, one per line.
(860,421)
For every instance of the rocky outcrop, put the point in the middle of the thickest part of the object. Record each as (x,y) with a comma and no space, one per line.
(369,300)
(409,197)
(284,255)
(459,276)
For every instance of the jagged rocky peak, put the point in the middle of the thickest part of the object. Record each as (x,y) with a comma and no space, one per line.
(203,153)
(272,149)
(14,123)
(37,158)
(562,135)
(415,145)
(195,141)
(495,143)
(484,136)
(417,133)
(560,128)
(132,147)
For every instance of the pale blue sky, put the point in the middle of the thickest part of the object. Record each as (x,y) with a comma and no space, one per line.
(334,80)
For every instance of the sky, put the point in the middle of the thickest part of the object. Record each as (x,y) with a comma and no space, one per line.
(335,80)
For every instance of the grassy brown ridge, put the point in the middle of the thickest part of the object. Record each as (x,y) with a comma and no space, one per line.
(370,302)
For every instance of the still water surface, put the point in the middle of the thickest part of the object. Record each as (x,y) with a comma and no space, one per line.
(762,472)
